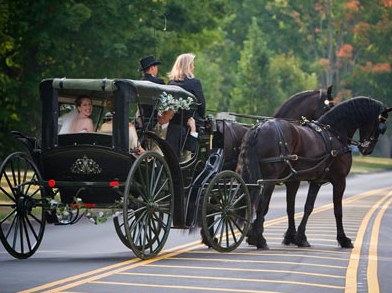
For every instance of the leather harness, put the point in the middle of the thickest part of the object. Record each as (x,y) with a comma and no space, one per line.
(331,150)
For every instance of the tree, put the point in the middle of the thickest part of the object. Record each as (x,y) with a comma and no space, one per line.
(253,93)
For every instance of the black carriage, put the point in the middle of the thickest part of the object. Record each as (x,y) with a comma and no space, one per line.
(65,176)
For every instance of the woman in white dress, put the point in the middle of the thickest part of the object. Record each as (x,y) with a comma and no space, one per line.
(78,120)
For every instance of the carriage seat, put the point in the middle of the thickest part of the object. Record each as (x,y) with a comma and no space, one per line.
(85,139)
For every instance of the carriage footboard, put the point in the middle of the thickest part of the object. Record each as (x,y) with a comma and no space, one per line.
(213,166)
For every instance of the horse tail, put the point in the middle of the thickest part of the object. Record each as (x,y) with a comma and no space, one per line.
(248,166)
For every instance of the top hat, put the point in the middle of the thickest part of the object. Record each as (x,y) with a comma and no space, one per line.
(148,62)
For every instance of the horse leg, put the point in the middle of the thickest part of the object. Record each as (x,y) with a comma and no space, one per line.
(301,239)
(338,190)
(292,188)
(255,236)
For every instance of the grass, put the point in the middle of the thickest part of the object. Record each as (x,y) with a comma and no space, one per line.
(369,164)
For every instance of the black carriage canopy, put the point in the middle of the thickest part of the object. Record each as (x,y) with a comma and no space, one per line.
(125,91)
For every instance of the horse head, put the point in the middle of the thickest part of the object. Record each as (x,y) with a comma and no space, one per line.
(370,133)
(325,103)
(328,99)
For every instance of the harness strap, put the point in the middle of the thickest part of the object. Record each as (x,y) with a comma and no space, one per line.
(328,139)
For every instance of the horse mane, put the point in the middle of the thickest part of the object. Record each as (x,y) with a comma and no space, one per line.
(286,109)
(294,99)
(359,106)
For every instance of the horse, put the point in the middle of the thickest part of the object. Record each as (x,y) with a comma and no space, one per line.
(277,151)
(310,104)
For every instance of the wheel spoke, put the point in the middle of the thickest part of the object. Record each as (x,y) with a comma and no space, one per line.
(147,228)
(226,211)
(22,223)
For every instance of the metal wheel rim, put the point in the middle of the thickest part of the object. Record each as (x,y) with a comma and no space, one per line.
(226,211)
(22,216)
(148,205)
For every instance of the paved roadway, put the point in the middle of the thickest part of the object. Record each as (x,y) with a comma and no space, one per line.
(90,259)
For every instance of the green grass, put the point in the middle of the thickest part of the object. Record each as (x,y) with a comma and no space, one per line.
(369,164)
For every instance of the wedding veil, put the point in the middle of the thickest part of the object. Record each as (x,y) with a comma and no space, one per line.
(65,121)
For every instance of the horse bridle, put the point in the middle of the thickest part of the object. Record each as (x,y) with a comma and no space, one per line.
(381,128)
(328,101)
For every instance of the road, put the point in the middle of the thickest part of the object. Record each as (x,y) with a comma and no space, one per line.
(90,258)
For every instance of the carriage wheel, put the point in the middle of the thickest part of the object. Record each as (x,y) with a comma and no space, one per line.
(118,222)
(226,211)
(22,216)
(148,205)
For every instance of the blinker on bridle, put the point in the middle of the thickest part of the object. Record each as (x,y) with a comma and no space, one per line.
(381,128)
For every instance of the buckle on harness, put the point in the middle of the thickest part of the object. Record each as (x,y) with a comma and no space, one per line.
(334,153)
(293,157)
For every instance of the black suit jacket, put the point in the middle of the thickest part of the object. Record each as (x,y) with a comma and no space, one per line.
(149,77)
(147,111)
(193,85)
(176,135)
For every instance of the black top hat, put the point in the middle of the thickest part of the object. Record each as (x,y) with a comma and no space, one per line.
(148,62)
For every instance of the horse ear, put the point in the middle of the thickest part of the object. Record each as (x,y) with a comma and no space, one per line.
(329,91)
(388,110)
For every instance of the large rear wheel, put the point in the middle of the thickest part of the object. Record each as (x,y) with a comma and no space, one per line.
(148,205)
(22,215)
(226,211)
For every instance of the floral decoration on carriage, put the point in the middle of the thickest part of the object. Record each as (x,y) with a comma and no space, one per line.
(167,101)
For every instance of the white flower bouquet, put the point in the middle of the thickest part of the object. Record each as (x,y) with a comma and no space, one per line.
(167,101)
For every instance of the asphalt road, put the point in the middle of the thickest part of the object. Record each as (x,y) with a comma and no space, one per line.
(90,258)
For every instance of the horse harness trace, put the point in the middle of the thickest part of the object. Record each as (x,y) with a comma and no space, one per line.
(330,154)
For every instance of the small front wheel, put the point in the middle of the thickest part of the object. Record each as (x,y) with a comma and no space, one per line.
(226,212)
(22,215)
(148,205)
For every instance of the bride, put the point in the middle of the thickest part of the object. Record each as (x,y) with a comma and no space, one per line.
(78,119)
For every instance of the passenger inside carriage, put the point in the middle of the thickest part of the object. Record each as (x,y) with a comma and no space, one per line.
(78,119)
(107,127)
(181,140)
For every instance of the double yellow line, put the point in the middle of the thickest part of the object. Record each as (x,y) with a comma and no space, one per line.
(352,270)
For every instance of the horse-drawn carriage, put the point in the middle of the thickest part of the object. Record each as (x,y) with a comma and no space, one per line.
(152,192)
(65,176)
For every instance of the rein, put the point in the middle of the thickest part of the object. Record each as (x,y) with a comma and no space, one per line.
(331,152)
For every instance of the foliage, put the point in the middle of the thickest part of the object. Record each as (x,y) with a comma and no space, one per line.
(251,54)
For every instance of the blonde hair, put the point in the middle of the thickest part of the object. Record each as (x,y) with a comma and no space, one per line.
(182,67)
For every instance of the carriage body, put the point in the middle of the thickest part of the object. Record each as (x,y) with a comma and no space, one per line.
(150,193)
(87,163)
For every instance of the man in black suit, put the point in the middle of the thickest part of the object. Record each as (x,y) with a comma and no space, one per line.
(175,134)
(149,69)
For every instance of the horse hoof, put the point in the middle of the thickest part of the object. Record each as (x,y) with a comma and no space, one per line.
(301,240)
(345,243)
(206,243)
(260,244)
(288,239)
(304,243)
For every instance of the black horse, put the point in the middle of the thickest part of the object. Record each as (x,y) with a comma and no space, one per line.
(310,104)
(319,152)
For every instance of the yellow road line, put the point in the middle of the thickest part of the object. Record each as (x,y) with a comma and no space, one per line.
(372,278)
(227,260)
(183,287)
(242,270)
(113,268)
(132,263)
(231,279)
(352,269)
